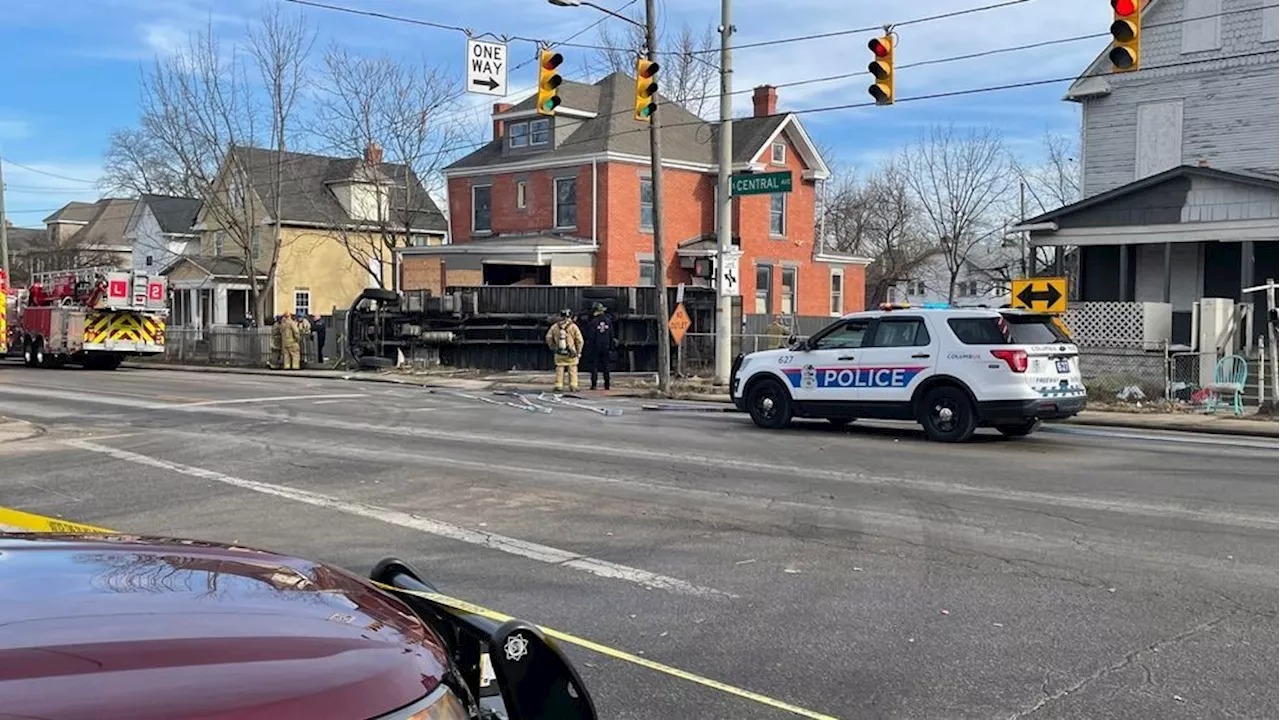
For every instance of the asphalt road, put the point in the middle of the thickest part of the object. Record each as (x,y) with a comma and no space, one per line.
(1078,573)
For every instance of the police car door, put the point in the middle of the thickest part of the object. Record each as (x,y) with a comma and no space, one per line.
(898,355)
(822,370)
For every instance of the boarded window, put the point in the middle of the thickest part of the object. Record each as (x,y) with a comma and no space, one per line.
(1270,23)
(1159,138)
(1201,25)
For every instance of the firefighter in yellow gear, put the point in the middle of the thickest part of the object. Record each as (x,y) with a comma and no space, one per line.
(565,340)
(290,341)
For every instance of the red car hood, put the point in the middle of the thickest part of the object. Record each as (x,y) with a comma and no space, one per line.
(138,628)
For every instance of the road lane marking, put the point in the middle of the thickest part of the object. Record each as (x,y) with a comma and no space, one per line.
(1188,436)
(39,523)
(328,402)
(494,541)
(276,398)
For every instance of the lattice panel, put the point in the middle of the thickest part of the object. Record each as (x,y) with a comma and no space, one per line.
(1106,324)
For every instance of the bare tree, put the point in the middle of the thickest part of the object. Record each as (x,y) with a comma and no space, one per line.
(1056,180)
(370,106)
(879,219)
(688,76)
(136,164)
(959,183)
(200,107)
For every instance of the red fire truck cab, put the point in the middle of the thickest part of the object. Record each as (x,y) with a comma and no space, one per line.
(95,317)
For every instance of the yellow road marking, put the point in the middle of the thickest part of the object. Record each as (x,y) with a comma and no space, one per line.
(40,523)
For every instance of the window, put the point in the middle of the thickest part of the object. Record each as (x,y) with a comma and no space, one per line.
(539,132)
(1201,26)
(646,204)
(481,209)
(302,302)
(789,291)
(845,335)
(257,244)
(779,153)
(219,243)
(150,260)
(764,289)
(418,241)
(1159,137)
(646,273)
(778,214)
(1270,23)
(1006,329)
(566,202)
(900,332)
(235,192)
(837,291)
(518,135)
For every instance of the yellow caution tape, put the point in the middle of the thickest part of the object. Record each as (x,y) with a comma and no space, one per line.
(464,606)
(39,523)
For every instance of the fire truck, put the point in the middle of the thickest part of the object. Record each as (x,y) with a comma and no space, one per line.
(95,317)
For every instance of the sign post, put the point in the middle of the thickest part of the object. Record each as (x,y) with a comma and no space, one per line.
(486,68)
(1042,294)
(760,183)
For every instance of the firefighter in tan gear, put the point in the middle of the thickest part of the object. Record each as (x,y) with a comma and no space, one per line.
(290,341)
(565,340)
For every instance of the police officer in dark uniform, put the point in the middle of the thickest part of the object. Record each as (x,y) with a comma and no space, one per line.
(599,343)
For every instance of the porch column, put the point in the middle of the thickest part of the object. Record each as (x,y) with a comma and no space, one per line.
(1246,268)
(1168,272)
(220,306)
(193,303)
(1123,285)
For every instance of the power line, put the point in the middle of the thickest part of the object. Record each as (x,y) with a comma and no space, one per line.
(45,172)
(872,28)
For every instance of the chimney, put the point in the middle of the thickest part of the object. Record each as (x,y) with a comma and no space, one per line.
(1203,162)
(765,100)
(498,109)
(373,153)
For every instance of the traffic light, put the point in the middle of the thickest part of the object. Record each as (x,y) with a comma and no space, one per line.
(548,81)
(882,69)
(1126,33)
(646,89)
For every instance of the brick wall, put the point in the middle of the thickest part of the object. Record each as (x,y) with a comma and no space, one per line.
(688,211)
(538,215)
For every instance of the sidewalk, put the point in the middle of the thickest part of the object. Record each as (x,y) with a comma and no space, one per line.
(640,385)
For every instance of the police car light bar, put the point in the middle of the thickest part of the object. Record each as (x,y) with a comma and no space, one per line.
(937,306)
(895,306)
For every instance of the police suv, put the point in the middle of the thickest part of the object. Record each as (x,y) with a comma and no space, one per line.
(951,370)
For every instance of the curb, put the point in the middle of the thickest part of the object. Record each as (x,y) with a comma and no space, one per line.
(340,375)
(1267,430)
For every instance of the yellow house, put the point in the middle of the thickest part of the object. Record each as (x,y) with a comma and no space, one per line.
(339,220)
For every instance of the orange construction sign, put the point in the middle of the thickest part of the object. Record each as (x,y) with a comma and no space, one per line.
(679,323)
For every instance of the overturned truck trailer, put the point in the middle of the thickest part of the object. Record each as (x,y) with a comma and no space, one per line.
(504,327)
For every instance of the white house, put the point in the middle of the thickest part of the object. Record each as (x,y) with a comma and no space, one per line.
(983,280)
(160,231)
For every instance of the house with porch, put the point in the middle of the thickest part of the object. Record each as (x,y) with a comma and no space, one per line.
(160,230)
(338,220)
(568,200)
(1179,163)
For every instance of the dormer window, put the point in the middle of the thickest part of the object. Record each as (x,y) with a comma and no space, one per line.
(531,133)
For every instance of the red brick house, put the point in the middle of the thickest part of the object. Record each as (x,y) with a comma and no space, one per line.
(567,200)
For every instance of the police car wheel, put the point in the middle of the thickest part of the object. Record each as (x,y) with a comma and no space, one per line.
(947,415)
(769,405)
(1026,427)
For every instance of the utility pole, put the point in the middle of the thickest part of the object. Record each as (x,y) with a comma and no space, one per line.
(659,249)
(4,229)
(1022,236)
(724,208)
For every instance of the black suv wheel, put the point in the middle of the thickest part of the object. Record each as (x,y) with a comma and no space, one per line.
(947,414)
(769,404)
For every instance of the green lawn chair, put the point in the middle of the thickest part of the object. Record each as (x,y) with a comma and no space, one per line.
(1229,376)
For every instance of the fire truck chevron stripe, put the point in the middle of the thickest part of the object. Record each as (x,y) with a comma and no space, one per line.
(124,326)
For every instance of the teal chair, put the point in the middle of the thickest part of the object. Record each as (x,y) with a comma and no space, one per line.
(1229,376)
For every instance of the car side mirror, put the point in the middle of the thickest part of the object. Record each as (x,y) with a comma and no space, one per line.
(792,340)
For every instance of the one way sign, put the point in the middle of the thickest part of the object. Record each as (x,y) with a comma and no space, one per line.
(486,68)
(1045,294)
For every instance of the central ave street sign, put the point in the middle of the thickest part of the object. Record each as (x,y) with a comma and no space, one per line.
(760,183)
(486,68)
(1045,294)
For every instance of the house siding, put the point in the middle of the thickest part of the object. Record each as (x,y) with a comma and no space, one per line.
(1229,117)
(317,261)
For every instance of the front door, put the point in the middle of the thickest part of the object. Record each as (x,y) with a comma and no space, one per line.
(897,356)
(823,371)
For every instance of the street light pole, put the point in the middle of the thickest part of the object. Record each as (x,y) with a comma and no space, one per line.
(724,209)
(659,248)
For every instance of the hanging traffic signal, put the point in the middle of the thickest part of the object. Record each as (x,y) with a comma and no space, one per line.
(881,68)
(548,81)
(1126,33)
(646,89)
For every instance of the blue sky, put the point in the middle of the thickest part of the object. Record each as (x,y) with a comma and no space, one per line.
(72,75)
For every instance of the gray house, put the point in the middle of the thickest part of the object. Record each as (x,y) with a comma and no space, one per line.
(1179,162)
(160,231)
